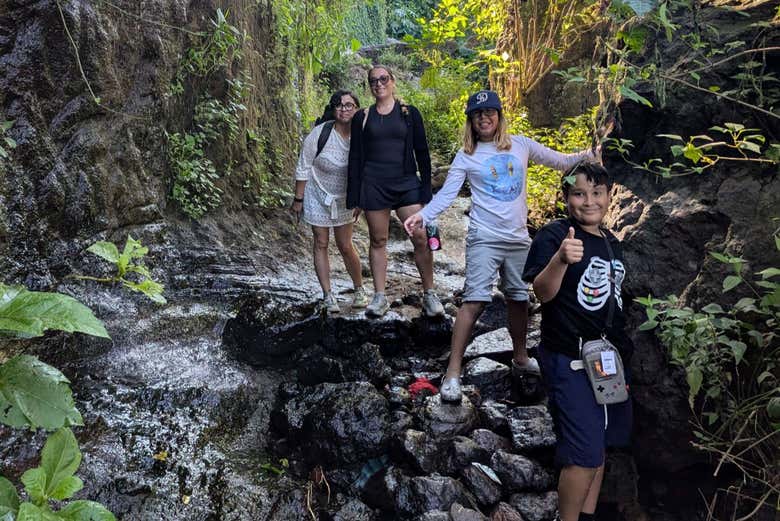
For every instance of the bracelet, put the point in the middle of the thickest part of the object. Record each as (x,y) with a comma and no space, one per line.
(298,199)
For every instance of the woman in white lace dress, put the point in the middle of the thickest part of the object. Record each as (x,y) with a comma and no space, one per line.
(320,194)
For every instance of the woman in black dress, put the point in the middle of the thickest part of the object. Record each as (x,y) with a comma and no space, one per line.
(388,148)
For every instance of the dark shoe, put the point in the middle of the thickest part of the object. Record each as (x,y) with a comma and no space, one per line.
(527,380)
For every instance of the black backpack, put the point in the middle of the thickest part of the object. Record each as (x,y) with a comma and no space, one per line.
(327,128)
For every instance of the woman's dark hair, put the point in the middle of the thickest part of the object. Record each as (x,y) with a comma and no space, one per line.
(593,172)
(330,109)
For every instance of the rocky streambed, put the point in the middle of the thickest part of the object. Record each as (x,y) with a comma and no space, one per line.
(241,400)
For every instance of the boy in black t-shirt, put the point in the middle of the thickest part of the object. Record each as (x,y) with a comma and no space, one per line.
(573,272)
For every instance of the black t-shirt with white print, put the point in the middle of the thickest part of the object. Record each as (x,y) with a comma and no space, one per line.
(581,306)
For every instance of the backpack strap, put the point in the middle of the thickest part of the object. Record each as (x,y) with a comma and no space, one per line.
(327,128)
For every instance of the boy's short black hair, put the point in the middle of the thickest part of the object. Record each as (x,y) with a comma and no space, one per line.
(593,172)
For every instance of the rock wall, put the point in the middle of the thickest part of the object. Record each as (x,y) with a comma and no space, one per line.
(670,225)
(83,171)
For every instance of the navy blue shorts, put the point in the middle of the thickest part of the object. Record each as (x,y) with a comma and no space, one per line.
(581,427)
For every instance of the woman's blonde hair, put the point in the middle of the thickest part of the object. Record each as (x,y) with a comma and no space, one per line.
(501,138)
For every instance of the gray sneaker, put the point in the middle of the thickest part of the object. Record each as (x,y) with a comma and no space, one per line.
(378,306)
(450,390)
(330,303)
(360,300)
(431,305)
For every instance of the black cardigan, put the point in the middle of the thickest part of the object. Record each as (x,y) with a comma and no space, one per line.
(416,150)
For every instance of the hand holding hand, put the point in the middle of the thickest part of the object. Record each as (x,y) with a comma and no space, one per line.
(412,223)
(571,249)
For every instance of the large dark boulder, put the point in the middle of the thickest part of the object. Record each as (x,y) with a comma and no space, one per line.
(335,423)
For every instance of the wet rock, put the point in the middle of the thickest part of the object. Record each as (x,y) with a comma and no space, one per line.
(421,450)
(496,345)
(493,415)
(505,512)
(442,419)
(483,483)
(535,507)
(382,487)
(520,473)
(464,451)
(425,493)
(355,510)
(490,377)
(472,393)
(531,428)
(491,441)
(400,421)
(460,513)
(398,396)
(362,363)
(437,515)
(329,423)
(266,332)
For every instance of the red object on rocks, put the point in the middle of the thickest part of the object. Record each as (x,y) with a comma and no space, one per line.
(420,384)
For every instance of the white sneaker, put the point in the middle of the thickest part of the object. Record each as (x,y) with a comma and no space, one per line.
(450,390)
(360,300)
(431,304)
(330,303)
(378,306)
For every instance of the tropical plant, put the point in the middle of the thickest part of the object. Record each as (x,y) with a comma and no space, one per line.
(730,357)
(53,482)
(127,262)
(36,395)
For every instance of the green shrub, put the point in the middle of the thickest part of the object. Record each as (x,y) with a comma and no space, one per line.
(731,358)
(367,22)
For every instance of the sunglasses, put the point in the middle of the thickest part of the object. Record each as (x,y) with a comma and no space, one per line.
(476,114)
(379,80)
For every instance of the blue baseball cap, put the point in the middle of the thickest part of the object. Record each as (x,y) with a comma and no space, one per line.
(484,99)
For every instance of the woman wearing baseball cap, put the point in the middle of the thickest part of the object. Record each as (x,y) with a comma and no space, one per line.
(495,164)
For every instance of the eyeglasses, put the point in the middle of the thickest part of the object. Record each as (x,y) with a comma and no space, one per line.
(379,80)
(345,107)
(476,114)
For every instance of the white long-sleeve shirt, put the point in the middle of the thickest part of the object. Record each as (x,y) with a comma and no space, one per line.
(499,184)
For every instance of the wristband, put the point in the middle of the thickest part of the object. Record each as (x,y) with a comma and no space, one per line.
(298,199)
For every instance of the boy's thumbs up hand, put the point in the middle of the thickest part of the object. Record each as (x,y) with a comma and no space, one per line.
(571,249)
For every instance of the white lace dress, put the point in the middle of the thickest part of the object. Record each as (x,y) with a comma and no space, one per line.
(325,196)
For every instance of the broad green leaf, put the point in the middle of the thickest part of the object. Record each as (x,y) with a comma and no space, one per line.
(745,304)
(105,250)
(758,338)
(731,282)
(719,256)
(648,325)
(30,512)
(634,96)
(694,378)
(148,287)
(60,459)
(692,152)
(9,498)
(671,136)
(34,481)
(354,44)
(747,145)
(33,312)
(712,308)
(769,273)
(737,349)
(86,511)
(35,394)
(773,408)
(763,376)
(67,488)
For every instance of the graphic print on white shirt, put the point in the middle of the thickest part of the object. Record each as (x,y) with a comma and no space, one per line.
(502,177)
(593,289)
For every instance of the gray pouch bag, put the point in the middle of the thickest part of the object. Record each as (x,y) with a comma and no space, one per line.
(604,368)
